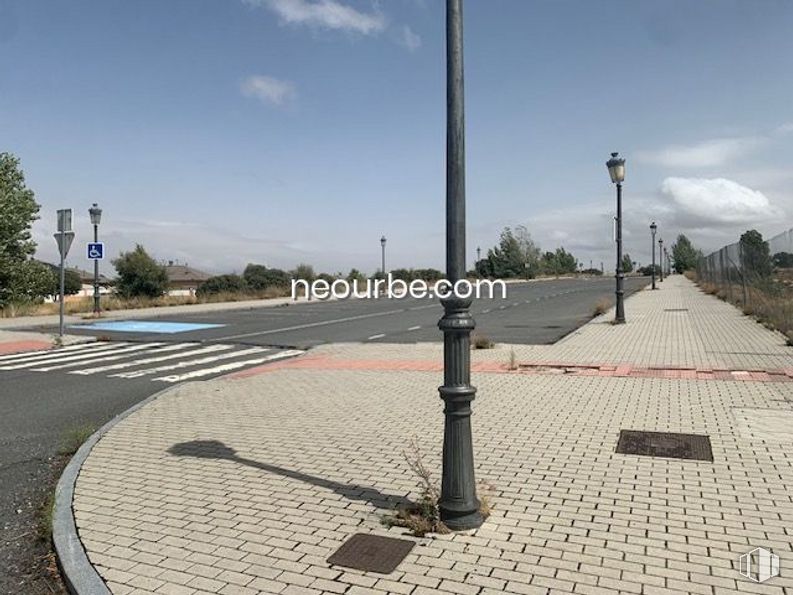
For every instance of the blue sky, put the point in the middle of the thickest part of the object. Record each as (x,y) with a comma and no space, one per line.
(221,132)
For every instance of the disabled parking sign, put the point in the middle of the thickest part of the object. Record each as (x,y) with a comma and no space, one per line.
(96,250)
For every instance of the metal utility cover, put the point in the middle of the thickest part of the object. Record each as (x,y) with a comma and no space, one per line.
(372,553)
(662,444)
(675,309)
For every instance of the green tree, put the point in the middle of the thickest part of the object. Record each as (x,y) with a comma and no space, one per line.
(755,254)
(222,284)
(139,275)
(508,259)
(71,281)
(356,275)
(21,278)
(304,272)
(783,260)
(627,263)
(259,277)
(685,255)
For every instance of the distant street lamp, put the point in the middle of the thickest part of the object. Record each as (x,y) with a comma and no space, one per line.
(616,166)
(382,247)
(653,229)
(458,504)
(96,217)
(661,258)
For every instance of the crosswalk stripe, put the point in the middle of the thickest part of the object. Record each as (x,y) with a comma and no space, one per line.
(24,354)
(228,367)
(54,355)
(78,360)
(114,356)
(151,360)
(189,363)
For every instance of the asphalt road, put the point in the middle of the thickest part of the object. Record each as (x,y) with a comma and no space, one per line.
(539,312)
(37,408)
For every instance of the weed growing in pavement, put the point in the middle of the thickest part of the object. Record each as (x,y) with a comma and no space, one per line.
(44,521)
(424,517)
(513,360)
(601,307)
(480,341)
(73,439)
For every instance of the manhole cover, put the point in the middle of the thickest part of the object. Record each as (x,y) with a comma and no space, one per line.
(372,553)
(675,309)
(661,444)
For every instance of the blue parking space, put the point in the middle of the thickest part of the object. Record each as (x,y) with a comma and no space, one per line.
(145,326)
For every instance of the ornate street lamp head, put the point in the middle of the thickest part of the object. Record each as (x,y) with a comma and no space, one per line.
(382,241)
(653,227)
(96,214)
(616,167)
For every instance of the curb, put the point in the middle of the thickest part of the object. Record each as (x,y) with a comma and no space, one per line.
(79,575)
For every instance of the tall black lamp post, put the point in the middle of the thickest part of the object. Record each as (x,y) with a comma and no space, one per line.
(382,250)
(653,229)
(459,507)
(616,167)
(661,257)
(96,217)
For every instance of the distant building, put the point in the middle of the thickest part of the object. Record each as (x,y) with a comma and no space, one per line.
(183,280)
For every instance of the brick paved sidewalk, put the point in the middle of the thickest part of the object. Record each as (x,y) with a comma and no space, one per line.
(246,485)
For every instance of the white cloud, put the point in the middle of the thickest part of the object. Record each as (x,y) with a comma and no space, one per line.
(786,128)
(325,14)
(268,89)
(409,39)
(716,201)
(709,153)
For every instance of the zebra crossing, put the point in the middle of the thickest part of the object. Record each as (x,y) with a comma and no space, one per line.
(157,361)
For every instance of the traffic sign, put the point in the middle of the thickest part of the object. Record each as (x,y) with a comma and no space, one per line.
(64,239)
(96,250)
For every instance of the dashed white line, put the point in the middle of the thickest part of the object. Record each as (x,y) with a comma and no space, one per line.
(414,328)
(380,336)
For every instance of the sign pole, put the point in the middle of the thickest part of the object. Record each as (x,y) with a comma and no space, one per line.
(62,289)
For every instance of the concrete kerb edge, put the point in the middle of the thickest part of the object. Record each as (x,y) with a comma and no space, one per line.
(79,575)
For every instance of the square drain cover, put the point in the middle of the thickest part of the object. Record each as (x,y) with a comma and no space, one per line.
(372,553)
(661,444)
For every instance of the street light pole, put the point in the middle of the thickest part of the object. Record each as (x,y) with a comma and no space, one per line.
(382,246)
(616,167)
(661,258)
(96,216)
(653,228)
(459,507)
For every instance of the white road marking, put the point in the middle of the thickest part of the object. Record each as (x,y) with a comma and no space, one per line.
(414,328)
(189,363)
(81,359)
(38,352)
(380,336)
(56,353)
(228,367)
(486,311)
(502,307)
(47,359)
(151,360)
(322,323)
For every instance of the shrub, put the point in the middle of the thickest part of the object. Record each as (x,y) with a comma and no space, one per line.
(258,277)
(139,275)
(222,284)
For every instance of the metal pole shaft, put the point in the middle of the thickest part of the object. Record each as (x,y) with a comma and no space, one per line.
(62,289)
(620,314)
(661,259)
(383,260)
(653,247)
(459,507)
(96,274)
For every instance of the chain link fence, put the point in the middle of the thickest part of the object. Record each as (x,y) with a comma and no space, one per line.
(756,275)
